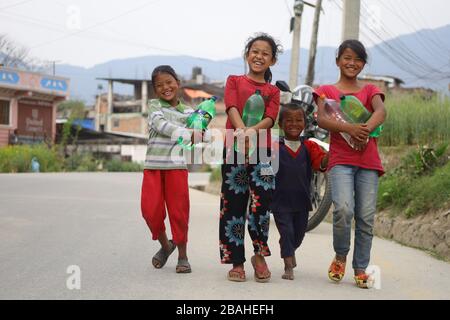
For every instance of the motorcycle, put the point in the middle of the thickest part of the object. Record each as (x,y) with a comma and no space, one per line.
(320,184)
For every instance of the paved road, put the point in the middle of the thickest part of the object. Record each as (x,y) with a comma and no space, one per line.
(51,221)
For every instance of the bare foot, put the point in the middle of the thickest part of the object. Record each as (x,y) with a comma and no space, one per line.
(288,274)
(289,265)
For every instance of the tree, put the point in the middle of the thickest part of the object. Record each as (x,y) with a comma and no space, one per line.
(14,55)
(73,109)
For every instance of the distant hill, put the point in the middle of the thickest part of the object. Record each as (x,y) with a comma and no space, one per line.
(84,85)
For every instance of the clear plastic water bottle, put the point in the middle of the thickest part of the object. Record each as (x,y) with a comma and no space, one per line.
(35,166)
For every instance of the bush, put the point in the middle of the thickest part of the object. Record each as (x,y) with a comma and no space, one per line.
(421,183)
(216,175)
(18,158)
(81,163)
(121,166)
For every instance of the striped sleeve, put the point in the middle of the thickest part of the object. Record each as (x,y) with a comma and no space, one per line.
(159,123)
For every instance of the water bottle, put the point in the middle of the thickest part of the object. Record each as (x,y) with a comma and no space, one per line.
(355,112)
(253,110)
(35,166)
(334,111)
(252,115)
(200,119)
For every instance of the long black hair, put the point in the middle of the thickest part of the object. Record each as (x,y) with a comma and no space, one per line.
(163,69)
(356,46)
(277,48)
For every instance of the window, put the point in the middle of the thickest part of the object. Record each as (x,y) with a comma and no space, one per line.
(116,123)
(4,112)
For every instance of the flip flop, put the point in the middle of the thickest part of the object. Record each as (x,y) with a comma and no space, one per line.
(236,275)
(183,266)
(259,270)
(160,258)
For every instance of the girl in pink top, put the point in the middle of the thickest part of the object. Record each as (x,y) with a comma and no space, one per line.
(353,172)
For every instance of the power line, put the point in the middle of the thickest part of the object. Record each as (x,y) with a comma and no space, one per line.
(97,24)
(405,59)
(288,8)
(15,4)
(398,61)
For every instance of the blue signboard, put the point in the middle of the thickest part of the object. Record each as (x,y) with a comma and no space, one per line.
(54,84)
(9,77)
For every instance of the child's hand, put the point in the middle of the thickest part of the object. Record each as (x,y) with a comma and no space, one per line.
(359,146)
(197,136)
(324,162)
(359,132)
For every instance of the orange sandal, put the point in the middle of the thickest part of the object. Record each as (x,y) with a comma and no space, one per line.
(237,274)
(363,281)
(336,271)
(260,270)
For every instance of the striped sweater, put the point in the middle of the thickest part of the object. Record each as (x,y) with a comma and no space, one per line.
(166,124)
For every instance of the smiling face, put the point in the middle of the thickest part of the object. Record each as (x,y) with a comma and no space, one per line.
(166,88)
(260,57)
(292,123)
(350,64)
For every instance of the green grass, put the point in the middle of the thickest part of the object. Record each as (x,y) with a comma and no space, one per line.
(414,188)
(413,120)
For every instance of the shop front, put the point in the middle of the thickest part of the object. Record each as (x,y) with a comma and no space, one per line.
(28,103)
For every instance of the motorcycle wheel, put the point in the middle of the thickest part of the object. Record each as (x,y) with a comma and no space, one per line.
(320,199)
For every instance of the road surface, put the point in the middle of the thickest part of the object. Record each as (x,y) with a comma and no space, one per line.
(49,222)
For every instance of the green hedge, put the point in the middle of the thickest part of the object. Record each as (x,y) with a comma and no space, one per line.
(18,158)
(15,159)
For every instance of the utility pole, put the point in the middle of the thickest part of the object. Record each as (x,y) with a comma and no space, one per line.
(54,62)
(296,23)
(313,47)
(350,19)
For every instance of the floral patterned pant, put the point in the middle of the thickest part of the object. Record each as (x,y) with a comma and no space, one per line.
(239,183)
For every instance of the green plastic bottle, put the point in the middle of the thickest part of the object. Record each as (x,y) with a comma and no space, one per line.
(253,110)
(200,119)
(253,114)
(355,112)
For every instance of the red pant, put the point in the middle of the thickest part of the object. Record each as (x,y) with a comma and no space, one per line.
(161,189)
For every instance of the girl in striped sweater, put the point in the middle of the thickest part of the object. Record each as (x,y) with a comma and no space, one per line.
(165,182)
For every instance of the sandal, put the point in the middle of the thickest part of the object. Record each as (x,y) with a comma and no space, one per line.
(160,258)
(183,266)
(363,281)
(260,270)
(337,270)
(237,274)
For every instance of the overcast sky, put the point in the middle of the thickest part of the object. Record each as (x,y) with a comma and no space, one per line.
(88,32)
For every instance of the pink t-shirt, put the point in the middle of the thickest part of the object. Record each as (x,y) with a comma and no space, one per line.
(340,152)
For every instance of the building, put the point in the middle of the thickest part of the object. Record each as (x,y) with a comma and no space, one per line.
(385,83)
(115,113)
(28,103)
(128,114)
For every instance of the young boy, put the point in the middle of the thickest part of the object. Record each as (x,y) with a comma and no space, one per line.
(291,202)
